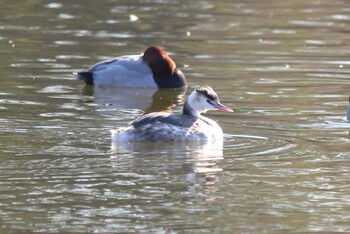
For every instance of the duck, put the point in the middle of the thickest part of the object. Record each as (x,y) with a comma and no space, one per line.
(153,69)
(191,125)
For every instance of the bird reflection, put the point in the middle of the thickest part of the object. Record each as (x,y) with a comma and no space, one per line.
(148,100)
(196,159)
(200,149)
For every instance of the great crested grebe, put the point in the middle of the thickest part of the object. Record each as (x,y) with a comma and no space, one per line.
(188,126)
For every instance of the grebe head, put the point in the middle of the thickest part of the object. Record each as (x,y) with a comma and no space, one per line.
(201,100)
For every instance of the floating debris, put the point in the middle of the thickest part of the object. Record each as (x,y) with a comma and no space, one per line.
(12,43)
(133,18)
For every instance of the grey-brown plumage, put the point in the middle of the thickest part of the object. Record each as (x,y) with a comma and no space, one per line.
(190,125)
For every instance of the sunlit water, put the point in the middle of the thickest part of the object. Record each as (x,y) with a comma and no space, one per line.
(283,66)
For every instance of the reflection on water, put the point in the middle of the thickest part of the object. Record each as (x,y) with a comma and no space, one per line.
(202,156)
(148,100)
(284,165)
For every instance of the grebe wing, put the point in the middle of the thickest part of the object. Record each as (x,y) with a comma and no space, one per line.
(165,118)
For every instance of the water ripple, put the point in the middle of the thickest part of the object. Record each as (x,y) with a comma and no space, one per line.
(284,165)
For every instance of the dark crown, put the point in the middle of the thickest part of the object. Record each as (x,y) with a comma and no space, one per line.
(208,92)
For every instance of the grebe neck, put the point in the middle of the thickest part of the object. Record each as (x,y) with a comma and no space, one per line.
(189,109)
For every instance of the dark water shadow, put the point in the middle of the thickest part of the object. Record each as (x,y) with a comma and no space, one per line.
(148,100)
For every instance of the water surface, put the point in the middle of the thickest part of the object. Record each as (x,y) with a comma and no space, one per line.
(285,163)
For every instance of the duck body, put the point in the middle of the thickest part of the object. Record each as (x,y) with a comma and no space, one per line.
(153,69)
(188,126)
